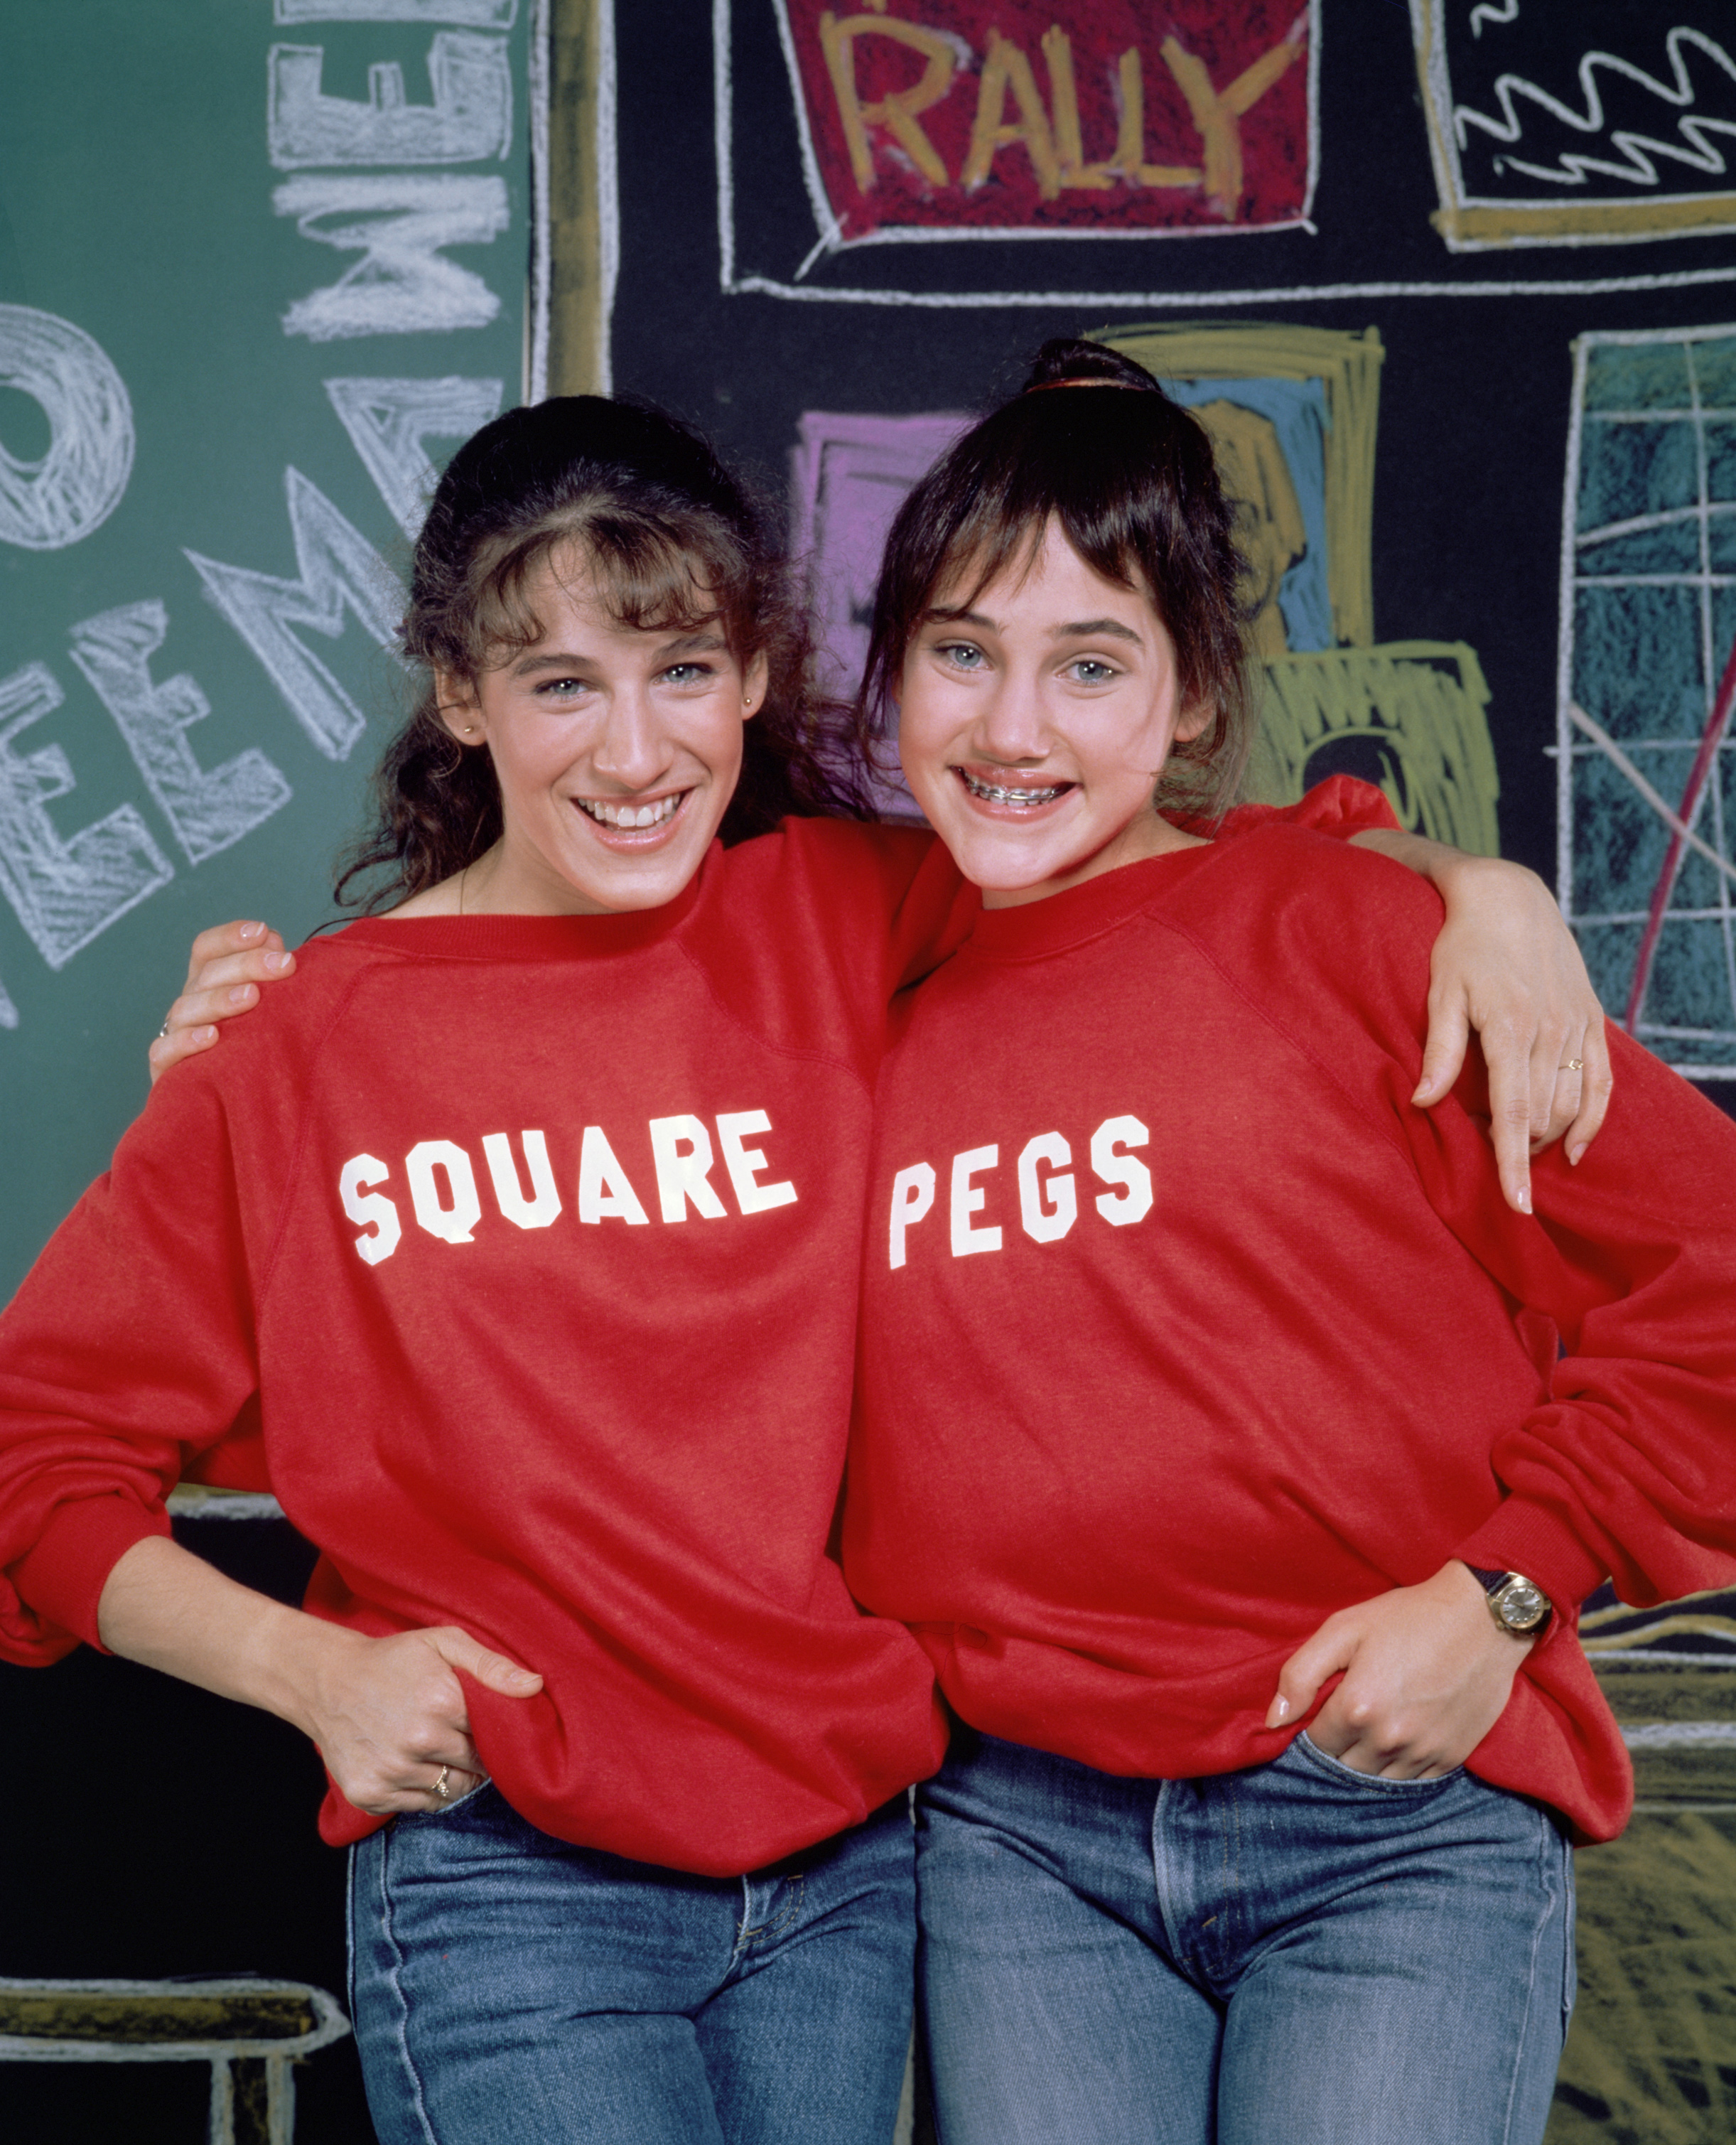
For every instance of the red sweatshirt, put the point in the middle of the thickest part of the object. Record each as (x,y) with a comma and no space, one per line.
(1183,1328)
(517,1256)
(528,1246)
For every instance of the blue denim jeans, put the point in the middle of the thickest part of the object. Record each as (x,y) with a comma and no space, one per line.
(1297,1953)
(509,1989)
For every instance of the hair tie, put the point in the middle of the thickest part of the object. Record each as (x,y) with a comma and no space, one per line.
(1043,385)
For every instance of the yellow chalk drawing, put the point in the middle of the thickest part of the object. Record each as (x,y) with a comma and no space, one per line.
(1005,67)
(1270,529)
(1418,703)
(1348,367)
(1216,115)
(898,112)
(1050,136)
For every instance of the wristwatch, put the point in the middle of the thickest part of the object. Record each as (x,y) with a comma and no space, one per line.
(1516,1603)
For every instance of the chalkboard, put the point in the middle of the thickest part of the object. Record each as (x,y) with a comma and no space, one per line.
(260,266)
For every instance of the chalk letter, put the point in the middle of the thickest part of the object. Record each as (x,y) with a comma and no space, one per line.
(1047,1223)
(1057,51)
(207,810)
(682,1176)
(65,892)
(336,565)
(1217,118)
(470,118)
(401,285)
(604,1193)
(538,1211)
(898,112)
(968,1200)
(1007,69)
(744,1163)
(47,504)
(369,1207)
(453,1223)
(388,420)
(1134,1202)
(913,1194)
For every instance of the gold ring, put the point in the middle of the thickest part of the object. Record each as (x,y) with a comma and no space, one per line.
(1574,1065)
(440,1787)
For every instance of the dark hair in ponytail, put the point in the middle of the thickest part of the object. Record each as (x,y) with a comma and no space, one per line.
(1092,442)
(674,541)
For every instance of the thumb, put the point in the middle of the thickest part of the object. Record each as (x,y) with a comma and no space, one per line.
(1444,1052)
(458,1650)
(1325,1655)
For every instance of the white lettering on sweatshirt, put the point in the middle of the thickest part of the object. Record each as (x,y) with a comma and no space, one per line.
(1048,1204)
(441,1178)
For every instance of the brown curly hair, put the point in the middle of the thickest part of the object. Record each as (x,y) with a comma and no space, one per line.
(675,540)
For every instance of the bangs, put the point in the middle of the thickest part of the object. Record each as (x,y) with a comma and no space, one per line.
(651,576)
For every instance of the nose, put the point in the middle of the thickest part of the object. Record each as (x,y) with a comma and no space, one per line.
(632,748)
(1013,725)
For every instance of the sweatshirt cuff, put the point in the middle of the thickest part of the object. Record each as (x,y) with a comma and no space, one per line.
(1533,1539)
(62,1577)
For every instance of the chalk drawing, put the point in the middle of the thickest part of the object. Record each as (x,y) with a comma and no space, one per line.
(64,891)
(478,14)
(251,2034)
(932,122)
(208,809)
(335,567)
(402,285)
(1313,394)
(9,1010)
(387,422)
(848,476)
(470,118)
(1600,127)
(1408,716)
(1646,767)
(47,504)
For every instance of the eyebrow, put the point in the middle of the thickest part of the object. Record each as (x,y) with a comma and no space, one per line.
(704,642)
(1084,628)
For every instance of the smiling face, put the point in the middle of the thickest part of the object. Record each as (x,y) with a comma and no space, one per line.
(1035,716)
(616,748)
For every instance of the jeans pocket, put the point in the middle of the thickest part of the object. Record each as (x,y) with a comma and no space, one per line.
(1336,1768)
(442,1811)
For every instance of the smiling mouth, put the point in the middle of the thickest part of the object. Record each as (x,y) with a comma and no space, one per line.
(1022,798)
(628,818)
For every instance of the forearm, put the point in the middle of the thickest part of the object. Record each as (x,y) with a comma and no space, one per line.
(1442,865)
(169,1609)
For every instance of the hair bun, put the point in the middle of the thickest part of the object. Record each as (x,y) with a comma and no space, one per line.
(1072,361)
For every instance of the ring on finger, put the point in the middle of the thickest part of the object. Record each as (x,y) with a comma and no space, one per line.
(1573,1065)
(440,1787)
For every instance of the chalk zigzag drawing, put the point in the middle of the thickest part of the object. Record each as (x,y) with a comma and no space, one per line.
(1533,146)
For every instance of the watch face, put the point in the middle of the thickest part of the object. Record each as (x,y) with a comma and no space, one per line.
(1520,1605)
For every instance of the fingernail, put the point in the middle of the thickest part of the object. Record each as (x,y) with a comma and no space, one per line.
(251,931)
(274,961)
(1574,1153)
(241,994)
(521,1676)
(1279,1713)
(1524,1201)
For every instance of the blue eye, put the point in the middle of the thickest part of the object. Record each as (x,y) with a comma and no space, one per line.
(965,653)
(685,673)
(1089,671)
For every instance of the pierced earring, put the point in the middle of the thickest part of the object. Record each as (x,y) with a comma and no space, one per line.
(470,729)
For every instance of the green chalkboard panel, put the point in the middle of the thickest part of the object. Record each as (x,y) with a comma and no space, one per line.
(260,265)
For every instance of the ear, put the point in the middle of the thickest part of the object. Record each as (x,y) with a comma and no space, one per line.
(460,710)
(755,680)
(1195,718)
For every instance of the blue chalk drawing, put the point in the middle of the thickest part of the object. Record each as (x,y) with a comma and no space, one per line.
(1296,410)
(1648,684)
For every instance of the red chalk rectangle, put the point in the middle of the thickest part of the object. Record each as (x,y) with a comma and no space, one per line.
(966,118)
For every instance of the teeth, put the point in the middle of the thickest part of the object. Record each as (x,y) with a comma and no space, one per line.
(631,815)
(996,792)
